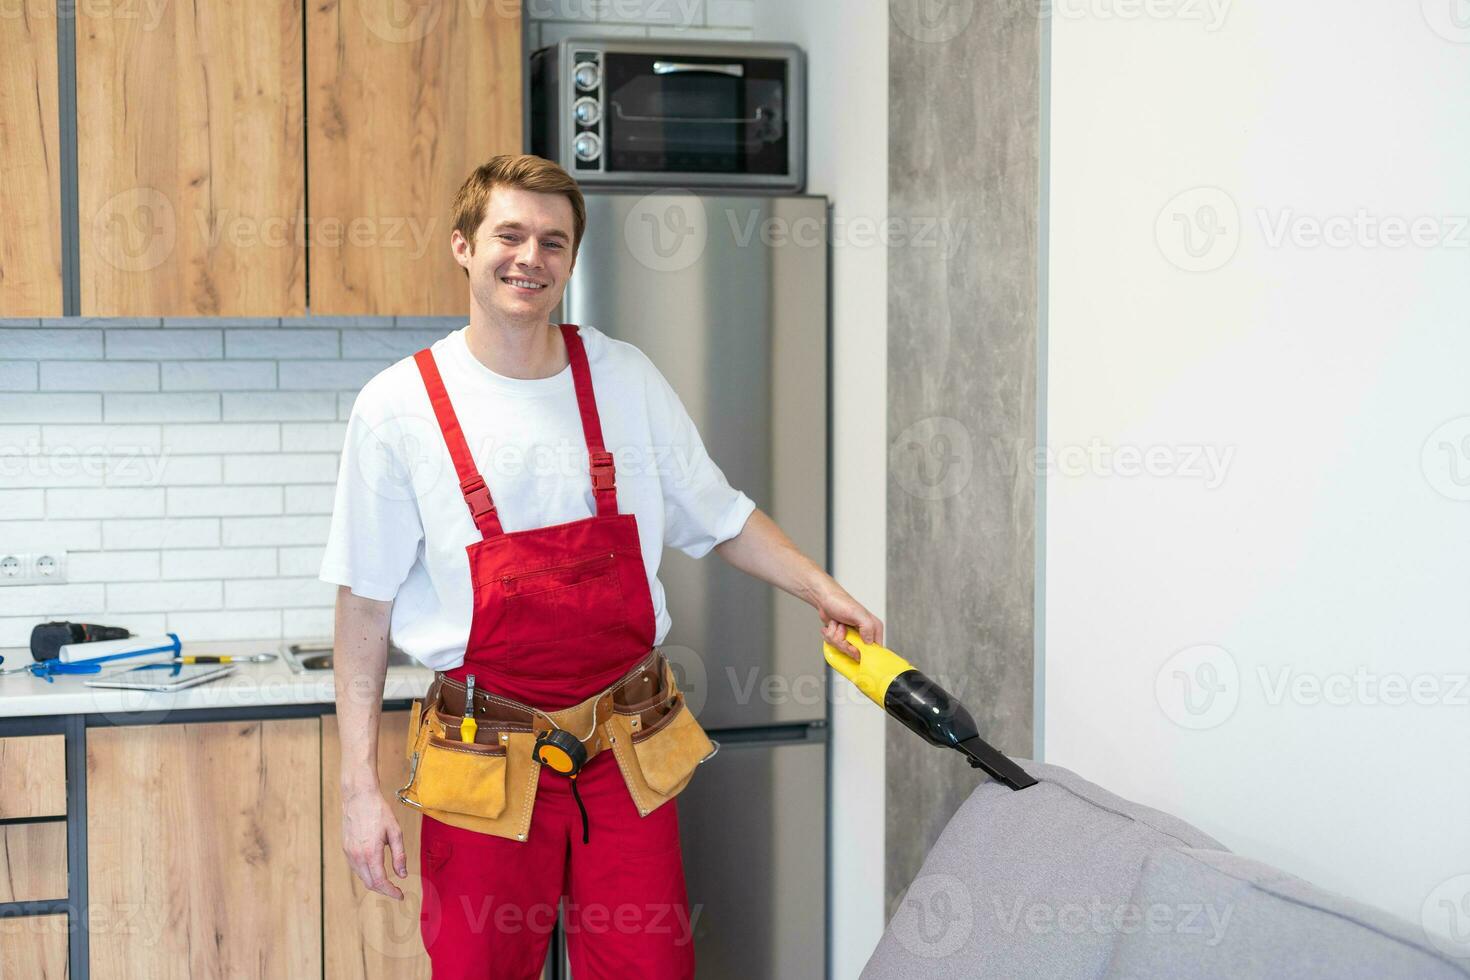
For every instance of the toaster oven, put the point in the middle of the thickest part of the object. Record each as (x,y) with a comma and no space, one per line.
(689,113)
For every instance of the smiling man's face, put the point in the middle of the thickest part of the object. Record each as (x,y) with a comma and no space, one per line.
(522,255)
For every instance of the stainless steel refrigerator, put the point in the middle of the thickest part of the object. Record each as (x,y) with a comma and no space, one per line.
(728,295)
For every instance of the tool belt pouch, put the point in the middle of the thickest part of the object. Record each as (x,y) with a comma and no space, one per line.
(655,737)
(487,785)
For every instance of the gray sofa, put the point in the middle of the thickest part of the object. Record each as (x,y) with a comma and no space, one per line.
(1064,879)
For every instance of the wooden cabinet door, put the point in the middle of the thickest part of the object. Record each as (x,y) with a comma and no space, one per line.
(370,935)
(33,947)
(204,849)
(405,100)
(191,174)
(30,160)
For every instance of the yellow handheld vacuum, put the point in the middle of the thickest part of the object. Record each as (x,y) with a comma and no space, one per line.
(893,684)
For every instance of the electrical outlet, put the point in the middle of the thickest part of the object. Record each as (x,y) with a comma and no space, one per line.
(33,567)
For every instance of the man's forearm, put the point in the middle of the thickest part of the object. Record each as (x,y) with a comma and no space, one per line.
(763,550)
(360,665)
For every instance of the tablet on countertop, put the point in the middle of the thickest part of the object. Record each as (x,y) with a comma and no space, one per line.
(161,677)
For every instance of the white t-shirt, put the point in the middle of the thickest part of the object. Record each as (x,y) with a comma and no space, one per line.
(400,525)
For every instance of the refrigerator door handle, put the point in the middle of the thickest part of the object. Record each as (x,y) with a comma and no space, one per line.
(678,67)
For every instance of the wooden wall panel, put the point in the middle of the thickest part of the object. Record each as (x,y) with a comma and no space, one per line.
(190,159)
(32,775)
(400,109)
(204,849)
(30,160)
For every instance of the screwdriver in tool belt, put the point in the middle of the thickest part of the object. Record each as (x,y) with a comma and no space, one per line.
(468,726)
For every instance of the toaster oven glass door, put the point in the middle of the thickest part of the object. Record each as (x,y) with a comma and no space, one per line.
(695,114)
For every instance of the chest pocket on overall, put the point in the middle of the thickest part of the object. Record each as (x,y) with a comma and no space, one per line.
(550,605)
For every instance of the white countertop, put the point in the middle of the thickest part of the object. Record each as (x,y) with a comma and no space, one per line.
(249,685)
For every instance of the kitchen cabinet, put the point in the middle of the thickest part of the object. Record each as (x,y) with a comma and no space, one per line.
(190,168)
(32,862)
(404,101)
(32,776)
(204,849)
(30,155)
(370,935)
(33,948)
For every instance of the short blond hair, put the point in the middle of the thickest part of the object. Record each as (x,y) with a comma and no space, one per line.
(522,170)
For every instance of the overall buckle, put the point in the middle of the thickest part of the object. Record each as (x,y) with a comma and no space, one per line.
(602,471)
(477,495)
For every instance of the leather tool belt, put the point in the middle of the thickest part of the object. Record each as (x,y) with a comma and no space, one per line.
(489,785)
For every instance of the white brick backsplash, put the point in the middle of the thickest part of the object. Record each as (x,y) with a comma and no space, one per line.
(214,321)
(240,624)
(218,375)
(390,345)
(33,407)
(284,342)
(307,437)
(163,470)
(729,13)
(98,376)
(662,12)
(223,501)
(189,465)
(309,623)
(299,530)
(310,500)
(34,469)
(19,435)
(49,343)
(169,532)
(106,502)
(235,437)
(164,596)
(328,375)
(280,406)
(157,344)
(49,600)
(278,593)
(71,535)
(112,566)
(103,438)
(19,505)
(203,406)
(301,561)
(221,563)
(18,376)
(281,468)
(15,631)
(435,324)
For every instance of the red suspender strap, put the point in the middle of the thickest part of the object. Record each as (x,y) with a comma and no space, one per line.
(471,484)
(600,461)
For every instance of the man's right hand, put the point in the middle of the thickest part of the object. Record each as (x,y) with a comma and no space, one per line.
(368,824)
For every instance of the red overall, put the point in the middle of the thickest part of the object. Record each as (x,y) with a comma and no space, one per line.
(560,613)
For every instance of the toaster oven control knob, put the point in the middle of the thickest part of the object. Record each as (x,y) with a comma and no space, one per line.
(587,75)
(587,146)
(587,111)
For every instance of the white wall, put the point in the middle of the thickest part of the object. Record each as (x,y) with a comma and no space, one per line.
(847,134)
(1335,379)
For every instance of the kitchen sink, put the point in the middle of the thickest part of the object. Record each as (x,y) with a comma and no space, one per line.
(305,658)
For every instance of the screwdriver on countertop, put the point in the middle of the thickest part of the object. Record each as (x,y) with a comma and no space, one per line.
(254,658)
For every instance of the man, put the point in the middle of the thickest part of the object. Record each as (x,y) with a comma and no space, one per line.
(481,514)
